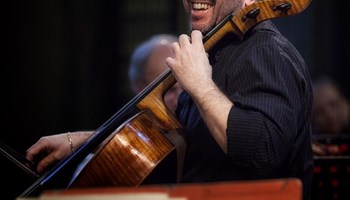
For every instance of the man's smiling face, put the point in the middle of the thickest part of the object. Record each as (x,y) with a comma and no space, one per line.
(205,14)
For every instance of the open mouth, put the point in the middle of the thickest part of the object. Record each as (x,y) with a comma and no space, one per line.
(201,6)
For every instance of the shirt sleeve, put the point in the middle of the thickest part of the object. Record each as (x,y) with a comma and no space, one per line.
(262,122)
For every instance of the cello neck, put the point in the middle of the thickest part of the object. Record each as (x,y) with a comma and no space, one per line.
(262,10)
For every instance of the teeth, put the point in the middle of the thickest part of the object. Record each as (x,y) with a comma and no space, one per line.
(200,6)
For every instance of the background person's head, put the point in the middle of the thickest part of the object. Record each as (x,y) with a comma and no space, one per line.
(331,108)
(148,62)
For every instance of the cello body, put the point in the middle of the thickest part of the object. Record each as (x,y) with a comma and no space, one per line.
(130,155)
(138,150)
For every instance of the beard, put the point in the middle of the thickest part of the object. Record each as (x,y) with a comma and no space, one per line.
(217,16)
(203,27)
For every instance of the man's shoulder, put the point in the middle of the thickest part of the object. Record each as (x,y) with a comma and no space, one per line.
(265,35)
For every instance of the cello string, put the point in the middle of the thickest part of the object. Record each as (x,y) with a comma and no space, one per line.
(18,159)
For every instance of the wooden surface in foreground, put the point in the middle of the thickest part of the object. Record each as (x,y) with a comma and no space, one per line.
(276,189)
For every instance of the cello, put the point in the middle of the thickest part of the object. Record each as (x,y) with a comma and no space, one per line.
(129,146)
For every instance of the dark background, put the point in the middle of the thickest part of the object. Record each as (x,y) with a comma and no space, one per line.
(64,62)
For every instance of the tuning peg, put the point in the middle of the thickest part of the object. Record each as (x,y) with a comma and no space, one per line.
(284,7)
(252,14)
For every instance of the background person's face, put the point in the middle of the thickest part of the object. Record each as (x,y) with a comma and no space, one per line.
(329,109)
(155,66)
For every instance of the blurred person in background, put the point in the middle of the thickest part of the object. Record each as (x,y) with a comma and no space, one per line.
(331,120)
(148,62)
(331,108)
